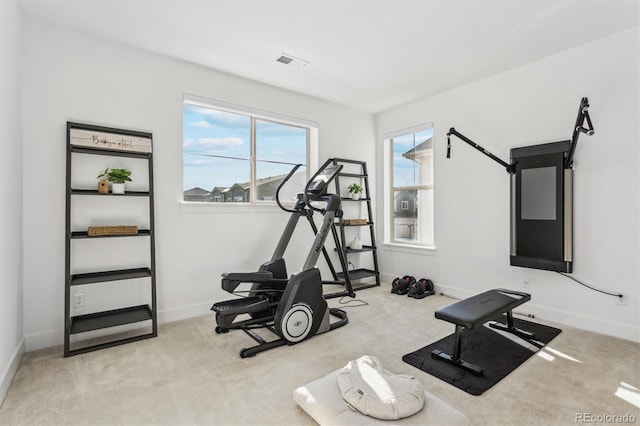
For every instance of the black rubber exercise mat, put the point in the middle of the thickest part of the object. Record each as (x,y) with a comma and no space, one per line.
(487,348)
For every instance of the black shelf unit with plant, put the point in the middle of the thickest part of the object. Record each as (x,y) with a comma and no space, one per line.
(354,176)
(87,141)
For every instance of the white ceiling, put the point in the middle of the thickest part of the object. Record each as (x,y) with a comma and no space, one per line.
(368,54)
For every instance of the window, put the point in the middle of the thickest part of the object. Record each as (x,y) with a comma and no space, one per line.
(238,156)
(409,183)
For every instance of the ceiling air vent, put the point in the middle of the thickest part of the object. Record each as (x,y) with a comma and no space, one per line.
(292,61)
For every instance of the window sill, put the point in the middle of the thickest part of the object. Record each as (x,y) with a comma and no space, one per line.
(227,208)
(411,249)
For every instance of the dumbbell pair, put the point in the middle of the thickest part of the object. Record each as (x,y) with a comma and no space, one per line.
(409,286)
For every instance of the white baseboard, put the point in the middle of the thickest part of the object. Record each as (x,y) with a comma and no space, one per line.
(47,339)
(43,339)
(594,325)
(185,312)
(8,374)
(51,338)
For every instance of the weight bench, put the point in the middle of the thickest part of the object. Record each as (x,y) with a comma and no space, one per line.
(475,311)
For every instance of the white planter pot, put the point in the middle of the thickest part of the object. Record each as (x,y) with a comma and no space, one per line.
(355,196)
(355,244)
(117,188)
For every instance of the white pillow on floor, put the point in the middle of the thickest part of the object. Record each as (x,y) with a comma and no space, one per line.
(373,391)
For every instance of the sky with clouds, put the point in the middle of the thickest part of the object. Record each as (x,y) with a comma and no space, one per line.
(217,148)
(405,171)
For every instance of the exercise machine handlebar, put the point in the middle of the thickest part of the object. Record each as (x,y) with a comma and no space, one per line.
(285,180)
(579,127)
(583,115)
(454,132)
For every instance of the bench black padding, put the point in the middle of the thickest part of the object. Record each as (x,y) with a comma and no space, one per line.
(478,309)
(475,311)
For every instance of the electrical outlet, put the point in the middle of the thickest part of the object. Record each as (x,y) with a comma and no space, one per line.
(526,282)
(78,300)
(622,301)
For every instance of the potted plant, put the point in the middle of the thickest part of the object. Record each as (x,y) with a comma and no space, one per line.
(355,190)
(117,177)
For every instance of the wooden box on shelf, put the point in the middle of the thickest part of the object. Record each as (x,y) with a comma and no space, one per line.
(355,221)
(96,231)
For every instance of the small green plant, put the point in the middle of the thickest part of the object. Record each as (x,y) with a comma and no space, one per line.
(354,188)
(116,175)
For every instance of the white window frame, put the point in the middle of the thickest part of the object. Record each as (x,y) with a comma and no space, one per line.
(254,114)
(390,241)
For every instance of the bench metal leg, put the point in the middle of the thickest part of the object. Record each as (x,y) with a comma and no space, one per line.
(455,359)
(510,328)
(457,343)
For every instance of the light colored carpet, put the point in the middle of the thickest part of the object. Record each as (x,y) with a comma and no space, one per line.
(190,375)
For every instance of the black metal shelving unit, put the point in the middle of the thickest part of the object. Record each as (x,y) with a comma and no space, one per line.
(360,175)
(77,324)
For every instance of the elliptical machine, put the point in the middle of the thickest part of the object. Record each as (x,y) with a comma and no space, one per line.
(293,308)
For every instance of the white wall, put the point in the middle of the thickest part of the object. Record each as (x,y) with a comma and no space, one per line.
(68,76)
(532,104)
(11,306)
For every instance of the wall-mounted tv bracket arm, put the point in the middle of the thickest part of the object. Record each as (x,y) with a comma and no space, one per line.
(510,167)
(583,115)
